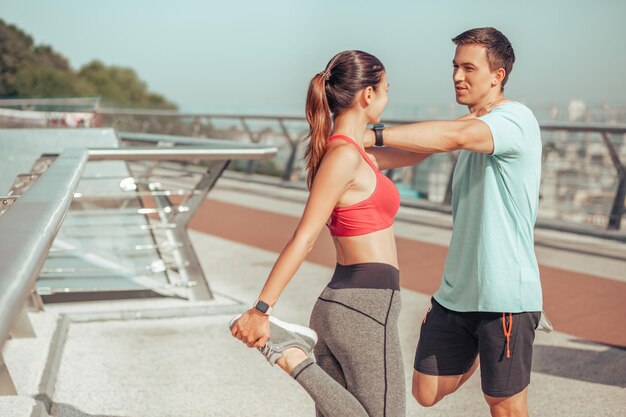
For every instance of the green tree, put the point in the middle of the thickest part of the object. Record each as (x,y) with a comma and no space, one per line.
(15,52)
(121,87)
(37,81)
(47,57)
(27,70)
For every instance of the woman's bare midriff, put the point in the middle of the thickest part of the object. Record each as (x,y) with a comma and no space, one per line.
(379,246)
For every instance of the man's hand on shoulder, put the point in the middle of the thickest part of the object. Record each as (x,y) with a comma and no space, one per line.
(483,111)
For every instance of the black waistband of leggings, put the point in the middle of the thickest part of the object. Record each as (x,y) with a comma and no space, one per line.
(374,275)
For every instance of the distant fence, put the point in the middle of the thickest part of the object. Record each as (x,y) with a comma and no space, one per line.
(583,179)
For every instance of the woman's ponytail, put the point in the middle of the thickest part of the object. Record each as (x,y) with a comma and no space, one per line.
(320,124)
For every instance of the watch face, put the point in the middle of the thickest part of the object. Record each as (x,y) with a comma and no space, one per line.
(261,306)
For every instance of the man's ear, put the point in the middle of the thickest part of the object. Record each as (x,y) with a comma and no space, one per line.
(498,76)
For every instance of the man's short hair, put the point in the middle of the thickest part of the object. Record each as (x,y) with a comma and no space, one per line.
(499,50)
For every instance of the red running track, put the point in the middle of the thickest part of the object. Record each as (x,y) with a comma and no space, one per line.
(586,306)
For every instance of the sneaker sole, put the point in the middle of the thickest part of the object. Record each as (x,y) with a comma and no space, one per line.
(302,331)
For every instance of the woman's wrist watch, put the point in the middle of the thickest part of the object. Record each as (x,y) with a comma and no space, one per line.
(378,132)
(262,307)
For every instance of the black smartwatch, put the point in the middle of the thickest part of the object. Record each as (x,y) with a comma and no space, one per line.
(262,307)
(378,131)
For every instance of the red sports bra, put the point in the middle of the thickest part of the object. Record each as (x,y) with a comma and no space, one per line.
(370,215)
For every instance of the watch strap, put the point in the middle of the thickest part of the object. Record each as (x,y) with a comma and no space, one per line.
(378,132)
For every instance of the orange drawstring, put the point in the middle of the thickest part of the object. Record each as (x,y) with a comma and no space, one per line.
(507,333)
(424,321)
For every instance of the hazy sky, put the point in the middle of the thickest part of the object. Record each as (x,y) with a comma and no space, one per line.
(258,56)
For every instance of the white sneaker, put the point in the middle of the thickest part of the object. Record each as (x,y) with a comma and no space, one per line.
(283,336)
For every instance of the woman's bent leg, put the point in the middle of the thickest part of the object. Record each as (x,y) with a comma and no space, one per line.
(359,370)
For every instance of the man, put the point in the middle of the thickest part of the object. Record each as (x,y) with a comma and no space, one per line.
(489,302)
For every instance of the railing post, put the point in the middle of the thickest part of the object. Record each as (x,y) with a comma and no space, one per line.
(617,211)
(188,265)
(6,383)
(201,291)
(292,156)
(21,325)
(35,303)
(251,165)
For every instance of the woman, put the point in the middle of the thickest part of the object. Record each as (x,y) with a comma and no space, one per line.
(358,369)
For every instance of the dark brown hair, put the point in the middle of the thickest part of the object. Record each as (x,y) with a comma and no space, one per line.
(499,50)
(331,92)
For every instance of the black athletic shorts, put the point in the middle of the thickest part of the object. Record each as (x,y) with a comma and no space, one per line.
(450,341)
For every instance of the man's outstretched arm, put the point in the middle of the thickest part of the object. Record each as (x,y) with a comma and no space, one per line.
(388,157)
(440,136)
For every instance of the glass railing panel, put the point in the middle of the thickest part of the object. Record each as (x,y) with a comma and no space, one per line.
(105,243)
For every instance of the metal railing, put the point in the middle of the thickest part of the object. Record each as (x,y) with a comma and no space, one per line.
(617,158)
(583,182)
(29,228)
(57,104)
(34,218)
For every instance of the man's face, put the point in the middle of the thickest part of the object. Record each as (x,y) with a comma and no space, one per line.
(472,75)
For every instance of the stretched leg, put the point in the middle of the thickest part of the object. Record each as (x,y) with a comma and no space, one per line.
(329,393)
(329,364)
(359,371)
(446,355)
(428,390)
(324,359)
(360,328)
(331,399)
(324,381)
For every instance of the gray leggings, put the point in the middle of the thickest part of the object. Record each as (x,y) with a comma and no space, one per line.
(358,370)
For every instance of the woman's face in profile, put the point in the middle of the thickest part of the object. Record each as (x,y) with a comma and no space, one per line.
(379,101)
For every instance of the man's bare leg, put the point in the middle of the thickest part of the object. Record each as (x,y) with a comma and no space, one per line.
(428,390)
(515,406)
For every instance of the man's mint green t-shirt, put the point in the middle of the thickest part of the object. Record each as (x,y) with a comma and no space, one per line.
(491,263)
